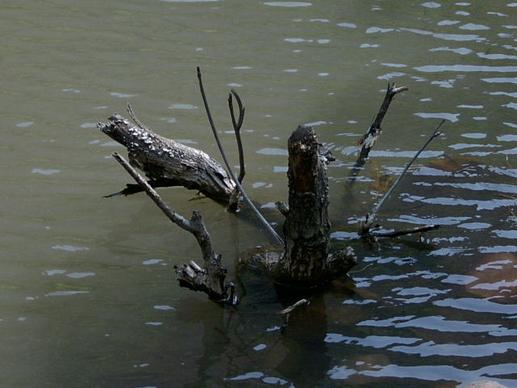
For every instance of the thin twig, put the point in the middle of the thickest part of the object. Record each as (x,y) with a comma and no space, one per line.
(289,309)
(360,270)
(268,227)
(132,116)
(133,188)
(237,125)
(371,217)
(176,218)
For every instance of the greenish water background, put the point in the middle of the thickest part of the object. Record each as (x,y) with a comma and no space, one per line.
(88,296)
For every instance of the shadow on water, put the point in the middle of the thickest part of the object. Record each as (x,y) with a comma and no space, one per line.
(253,344)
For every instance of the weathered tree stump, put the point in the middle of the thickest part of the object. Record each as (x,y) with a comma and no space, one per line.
(306,261)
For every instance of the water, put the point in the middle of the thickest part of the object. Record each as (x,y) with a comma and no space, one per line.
(88,293)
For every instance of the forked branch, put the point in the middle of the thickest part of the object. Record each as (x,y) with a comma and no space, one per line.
(209,279)
(264,222)
(370,218)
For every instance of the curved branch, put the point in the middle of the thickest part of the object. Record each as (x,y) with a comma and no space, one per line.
(237,124)
(264,222)
(209,279)
(370,218)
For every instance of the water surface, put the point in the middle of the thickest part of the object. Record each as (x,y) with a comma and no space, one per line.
(88,293)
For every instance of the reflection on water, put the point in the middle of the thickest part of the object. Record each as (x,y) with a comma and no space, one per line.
(88,295)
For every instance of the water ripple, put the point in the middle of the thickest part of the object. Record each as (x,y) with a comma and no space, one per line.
(373,341)
(477,305)
(288,4)
(466,68)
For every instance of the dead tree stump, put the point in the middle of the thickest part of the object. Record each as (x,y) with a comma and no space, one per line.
(306,261)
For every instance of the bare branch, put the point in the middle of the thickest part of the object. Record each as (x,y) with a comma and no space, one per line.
(209,279)
(132,116)
(289,309)
(268,227)
(370,218)
(163,160)
(368,140)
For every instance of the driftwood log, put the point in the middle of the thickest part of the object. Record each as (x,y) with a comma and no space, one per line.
(169,163)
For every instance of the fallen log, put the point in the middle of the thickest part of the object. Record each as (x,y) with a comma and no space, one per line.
(169,163)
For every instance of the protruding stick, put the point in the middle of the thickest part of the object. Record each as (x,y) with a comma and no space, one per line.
(268,227)
(132,116)
(289,309)
(370,218)
(368,140)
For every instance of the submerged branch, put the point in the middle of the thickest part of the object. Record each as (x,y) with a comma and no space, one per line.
(404,232)
(167,162)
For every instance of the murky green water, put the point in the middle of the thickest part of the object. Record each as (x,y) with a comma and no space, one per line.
(88,296)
